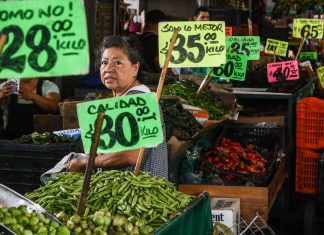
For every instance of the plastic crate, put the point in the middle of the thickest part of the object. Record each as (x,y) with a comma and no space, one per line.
(264,138)
(310,123)
(307,176)
(22,164)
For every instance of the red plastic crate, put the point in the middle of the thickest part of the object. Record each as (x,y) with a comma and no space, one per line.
(310,123)
(307,173)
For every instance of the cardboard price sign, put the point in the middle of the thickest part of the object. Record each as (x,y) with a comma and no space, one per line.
(320,74)
(228,31)
(276,47)
(235,68)
(281,71)
(130,122)
(308,28)
(199,43)
(244,45)
(44,38)
(308,55)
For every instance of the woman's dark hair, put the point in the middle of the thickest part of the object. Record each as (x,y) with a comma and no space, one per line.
(129,45)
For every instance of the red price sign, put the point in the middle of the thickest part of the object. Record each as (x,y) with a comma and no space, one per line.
(281,71)
(228,31)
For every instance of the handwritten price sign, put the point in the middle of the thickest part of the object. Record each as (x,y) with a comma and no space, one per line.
(276,47)
(235,68)
(308,55)
(244,45)
(281,71)
(130,122)
(320,74)
(44,38)
(308,28)
(199,44)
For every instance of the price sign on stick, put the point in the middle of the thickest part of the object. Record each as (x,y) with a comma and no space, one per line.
(235,68)
(244,45)
(320,74)
(130,122)
(199,44)
(43,38)
(308,55)
(281,71)
(308,28)
(276,47)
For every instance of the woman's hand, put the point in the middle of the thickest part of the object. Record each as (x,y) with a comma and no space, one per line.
(77,164)
(6,90)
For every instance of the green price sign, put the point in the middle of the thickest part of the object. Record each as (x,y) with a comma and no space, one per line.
(43,38)
(320,74)
(199,43)
(308,28)
(130,122)
(276,47)
(308,55)
(235,68)
(244,45)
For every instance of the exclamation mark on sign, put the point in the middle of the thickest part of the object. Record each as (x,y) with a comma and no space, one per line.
(71,8)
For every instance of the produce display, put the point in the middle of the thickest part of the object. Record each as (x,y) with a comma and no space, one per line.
(207,100)
(103,223)
(22,222)
(151,200)
(45,138)
(178,121)
(230,155)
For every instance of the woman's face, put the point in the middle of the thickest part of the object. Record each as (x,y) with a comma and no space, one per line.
(116,70)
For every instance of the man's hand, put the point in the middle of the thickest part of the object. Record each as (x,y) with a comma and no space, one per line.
(25,93)
(6,90)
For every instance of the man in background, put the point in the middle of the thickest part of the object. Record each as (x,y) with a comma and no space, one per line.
(149,40)
(201,14)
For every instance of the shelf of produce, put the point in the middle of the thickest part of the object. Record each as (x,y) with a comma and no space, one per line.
(252,199)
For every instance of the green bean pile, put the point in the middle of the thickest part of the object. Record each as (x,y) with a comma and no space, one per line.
(187,89)
(150,199)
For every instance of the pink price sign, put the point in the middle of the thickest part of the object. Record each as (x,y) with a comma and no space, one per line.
(281,71)
(228,31)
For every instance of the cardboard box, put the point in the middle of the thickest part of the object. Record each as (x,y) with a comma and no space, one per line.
(227,212)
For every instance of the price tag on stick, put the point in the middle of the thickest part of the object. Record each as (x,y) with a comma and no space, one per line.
(234,69)
(130,122)
(276,47)
(281,71)
(308,28)
(244,45)
(320,74)
(307,55)
(199,43)
(44,38)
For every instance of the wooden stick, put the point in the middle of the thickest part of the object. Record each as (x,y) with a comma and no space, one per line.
(166,64)
(158,93)
(204,82)
(302,41)
(89,168)
(3,39)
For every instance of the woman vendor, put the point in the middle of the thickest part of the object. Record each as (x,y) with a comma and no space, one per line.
(120,65)
(35,96)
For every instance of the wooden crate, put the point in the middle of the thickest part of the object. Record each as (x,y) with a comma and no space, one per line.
(252,199)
